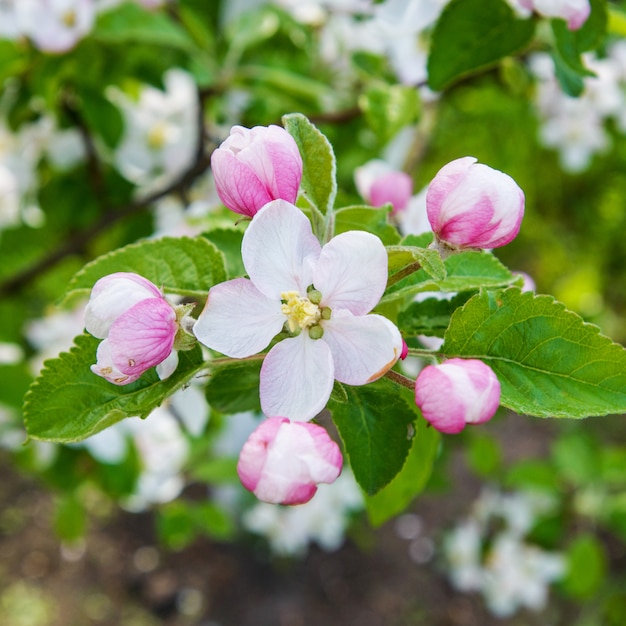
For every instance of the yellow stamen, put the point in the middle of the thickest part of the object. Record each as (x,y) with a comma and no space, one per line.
(301,312)
(69,18)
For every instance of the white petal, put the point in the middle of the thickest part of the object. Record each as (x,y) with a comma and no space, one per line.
(363,347)
(278,248)
(238,320)
(351,272)
(167,367)
(296,378)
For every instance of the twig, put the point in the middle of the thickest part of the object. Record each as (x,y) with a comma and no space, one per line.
(78,242)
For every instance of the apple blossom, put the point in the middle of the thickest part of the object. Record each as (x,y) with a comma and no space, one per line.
(574,12)
(320,296)
(379,183)
(55,25)
(256,165)
(471,205)
(138,327)
(457,392)
(282,461)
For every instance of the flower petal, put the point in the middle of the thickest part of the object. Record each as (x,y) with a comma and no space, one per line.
(143,336)
(278,249)
(238,186)
(167,367)
(363,347)
(104,366)
(296,378)
(351,272)
(113,295)
(283,461)
(238,320)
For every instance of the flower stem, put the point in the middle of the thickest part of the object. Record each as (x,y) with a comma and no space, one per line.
(409,383)
(409,269)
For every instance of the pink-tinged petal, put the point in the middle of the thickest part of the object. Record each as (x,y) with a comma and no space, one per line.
(472,205)
(395,188)
(143,336)
(167,367)
(237,185)
(363,347)
(282,462)
(456,393)
(446,180)
(296,378)
(113,295)
(351,272)
(238,320)
(278,249)
(104,366)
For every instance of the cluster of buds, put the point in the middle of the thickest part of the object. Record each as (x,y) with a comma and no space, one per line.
(316,299)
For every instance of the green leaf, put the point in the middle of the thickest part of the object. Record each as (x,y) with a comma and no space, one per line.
(399,493)
(375,427)
(228,241)
(587,567)
(68,402)
(102,116)
(430,316)
(550,363)
(319,168)
(533,474)
(14,382)
(371,219)
(234,388)
(465,271)
(388,108)
(13,59)
(484,455)
(70,520)
(130,23)
(179,265)
(578,458)
(430,260)
(472,35)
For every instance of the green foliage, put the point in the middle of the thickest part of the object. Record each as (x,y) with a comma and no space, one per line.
(430,316)
(550,363)
(410,481)
(376,445)
(466,271)
(389,108)
(472,35)
(234,388)
(70,519)
(319,168)
(587,567)
(182,266)
(430,260)
(373,220)
(68,402)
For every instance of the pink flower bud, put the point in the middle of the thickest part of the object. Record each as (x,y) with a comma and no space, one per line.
(380,184)
(457,392)
(255,166)
(138,326)
(471,205)
(282,462)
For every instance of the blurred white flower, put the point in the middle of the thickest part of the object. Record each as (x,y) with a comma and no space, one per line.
(322,520)
(160,135)
(501,564)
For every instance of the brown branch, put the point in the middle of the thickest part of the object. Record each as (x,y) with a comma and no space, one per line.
(78,243)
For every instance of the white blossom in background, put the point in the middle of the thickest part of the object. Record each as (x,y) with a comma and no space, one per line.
(162,444)
(9,28)
(576,127)
(53,334)
(55,26)
(9,198)
(160,131)
(323,520)
(508,571)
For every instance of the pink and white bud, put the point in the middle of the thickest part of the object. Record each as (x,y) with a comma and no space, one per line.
(574,12)
(138,326)
(471,205)
(379,184)
(282,462)
(254,166)
(457,392)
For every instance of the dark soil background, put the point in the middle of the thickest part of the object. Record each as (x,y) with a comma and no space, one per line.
(121,577)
